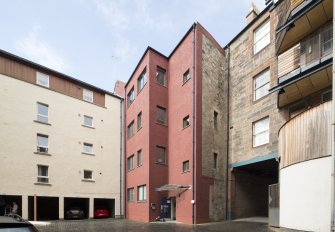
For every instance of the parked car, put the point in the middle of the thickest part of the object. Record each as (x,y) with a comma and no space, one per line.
(75,213)
(101,213)
(15,223)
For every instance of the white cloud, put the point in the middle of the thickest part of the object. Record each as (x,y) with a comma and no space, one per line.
(34,48)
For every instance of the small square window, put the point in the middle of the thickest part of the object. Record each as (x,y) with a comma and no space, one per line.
(42,143)
(142,80)
(88,148)
(42,79)
(161,76)
(215,158)
(216,114)
(261,132)
(42,112)
(88,95)
(130,130)
(186,76)
(161,155)
(139,121)
(161,115)
(42,174)
(88,121)
(141,193)
(130,194)
(130,162)
(186,121)
(186,166)
(130,97)
(88,175)
(139,158)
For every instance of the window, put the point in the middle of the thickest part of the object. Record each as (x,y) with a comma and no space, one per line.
(88,175)
(130,194)
(130,97)
(130,163)
(261,132)
(215,156)
(261,85)
(131,130)
(141,81)
(186,76)
(42,79)
(88,95)
(186,121)
(139,158)
(216,114)
(327,40)
(88,121)
(161,76)
(42,143)
(161,115)
(42,112)
(88,148)
(42,174)
(186,166)
(161,155)
(141,193)
(262,36)
(139,121)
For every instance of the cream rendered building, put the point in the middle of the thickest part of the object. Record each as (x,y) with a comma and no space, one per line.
(61,142)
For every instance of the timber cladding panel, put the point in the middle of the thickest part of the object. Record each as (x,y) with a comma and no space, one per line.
(297,138)
(58,84)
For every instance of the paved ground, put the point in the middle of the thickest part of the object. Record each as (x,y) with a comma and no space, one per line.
(119,225)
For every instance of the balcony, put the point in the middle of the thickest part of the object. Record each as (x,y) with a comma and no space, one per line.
(306,136)
(299,18)
(306,67)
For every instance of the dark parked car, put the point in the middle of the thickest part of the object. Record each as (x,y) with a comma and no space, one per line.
(74,213)
(101,213)
(15,223)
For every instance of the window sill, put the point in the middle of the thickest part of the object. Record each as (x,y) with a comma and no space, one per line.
(87,126)
(144,201)
(161,124)
(45,123)
(186,172)
(185,82)
(165,86)
(138,129)
(259,146)
(41,183)
(86,153)
(131,170)
(164,164)
(261,49)
(186,127)
(42,153)
(140,165)
(131,136)
(142,88)
(259,99)
(86,180)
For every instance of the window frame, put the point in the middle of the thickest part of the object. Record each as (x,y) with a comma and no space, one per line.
(186,166)
(144,193)
(261,75)
(91,118)
(268,34)
(131,125)
(40,114)
(157,115)
(186,74)
(42,146)
(165,155)
(186,121)
(142,80)
(41,177)
(263,131)
(131,96)
(40,81)
(139,120)
(130,160)
(130,197)
(139,158)
(88,145)
(88,99)
(162,70)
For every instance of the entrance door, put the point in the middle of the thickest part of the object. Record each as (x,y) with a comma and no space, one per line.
(165,208)
(173,208)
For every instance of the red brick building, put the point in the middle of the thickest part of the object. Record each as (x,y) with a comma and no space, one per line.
(176,150)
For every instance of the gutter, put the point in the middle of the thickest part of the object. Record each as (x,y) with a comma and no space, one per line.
(193,120)
(125,155)
(228,212)
(121,134)
(333,147)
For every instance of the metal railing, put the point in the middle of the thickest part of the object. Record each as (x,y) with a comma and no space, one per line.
(307,52)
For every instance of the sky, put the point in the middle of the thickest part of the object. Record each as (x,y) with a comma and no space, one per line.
(101,41)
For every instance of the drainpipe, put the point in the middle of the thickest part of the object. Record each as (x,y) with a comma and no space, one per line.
(228,213)
(121,101)
(125,154)
(193,120)
(333,144)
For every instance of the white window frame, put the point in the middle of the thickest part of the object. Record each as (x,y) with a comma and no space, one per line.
(87,95)
(91,119)
(42,79)
(266,84)
(262,36)
(86,170)
(263,131)
(142,193)
(40,177)
(43,146)
(41,117)
(142,80)
(88,145)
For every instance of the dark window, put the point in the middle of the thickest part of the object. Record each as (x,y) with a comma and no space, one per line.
(130,97)
(215,156)
(130,163)
(142,80)
(139,121)
(186,76)
(131,130)
(161,76)
(186,166)
(161,115)
(131,194)
(216,119)
(139,158)
(161,155)
(186,121)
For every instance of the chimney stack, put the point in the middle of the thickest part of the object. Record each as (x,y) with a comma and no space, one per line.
(253,13)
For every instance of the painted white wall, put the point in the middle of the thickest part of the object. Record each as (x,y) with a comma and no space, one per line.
(18,132)
(305,195)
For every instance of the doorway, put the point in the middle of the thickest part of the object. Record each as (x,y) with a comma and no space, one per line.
(173,208)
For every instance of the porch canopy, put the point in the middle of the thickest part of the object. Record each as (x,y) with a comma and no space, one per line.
(168,187)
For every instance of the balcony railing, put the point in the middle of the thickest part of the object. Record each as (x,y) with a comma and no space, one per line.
(306,136)
(307,52)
